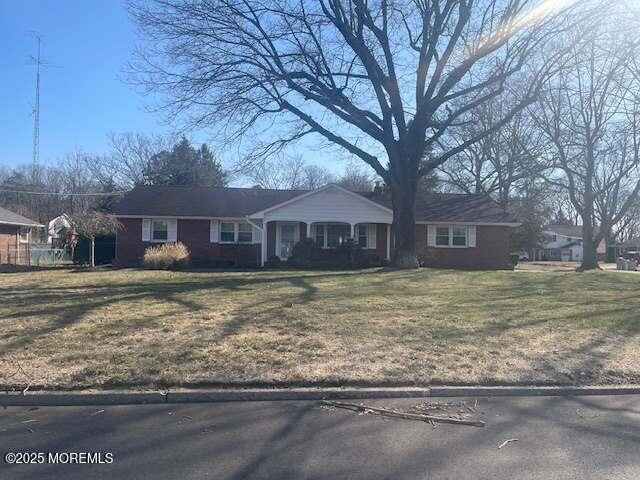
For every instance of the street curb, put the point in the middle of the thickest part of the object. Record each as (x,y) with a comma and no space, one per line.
(256,395)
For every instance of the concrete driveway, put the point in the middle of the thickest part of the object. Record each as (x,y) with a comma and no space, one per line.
(558,438)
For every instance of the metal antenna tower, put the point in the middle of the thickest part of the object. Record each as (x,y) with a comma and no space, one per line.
(36,110)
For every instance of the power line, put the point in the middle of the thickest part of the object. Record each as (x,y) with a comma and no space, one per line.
(64,194)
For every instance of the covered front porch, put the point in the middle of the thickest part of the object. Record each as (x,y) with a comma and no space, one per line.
(331,216)
(282,235)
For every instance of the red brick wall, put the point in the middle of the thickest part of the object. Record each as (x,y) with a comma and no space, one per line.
(381,240)
(492,250)
(8,239)
(271,239)
(8,243)
(195,235)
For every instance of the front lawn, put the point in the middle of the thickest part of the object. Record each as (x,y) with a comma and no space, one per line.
(64,329)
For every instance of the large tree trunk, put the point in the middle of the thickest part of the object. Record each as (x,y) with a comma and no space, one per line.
(404,224)
(589,253)
(589,250)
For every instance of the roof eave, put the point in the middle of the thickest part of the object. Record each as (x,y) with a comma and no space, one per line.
(20,224)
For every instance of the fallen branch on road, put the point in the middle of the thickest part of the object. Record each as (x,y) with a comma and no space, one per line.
(507,442)
(395,413)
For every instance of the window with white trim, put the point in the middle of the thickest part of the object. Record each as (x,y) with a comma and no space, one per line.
(159,230)
(337,234)
(236,232)
(453,236)
(363,235)
(442,236)
(227,232)
(459,236)
(331,235)
(245,233)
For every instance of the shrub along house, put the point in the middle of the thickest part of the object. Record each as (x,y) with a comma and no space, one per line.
(15,237)
(248,226)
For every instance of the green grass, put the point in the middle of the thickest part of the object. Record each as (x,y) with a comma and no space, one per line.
(64,329)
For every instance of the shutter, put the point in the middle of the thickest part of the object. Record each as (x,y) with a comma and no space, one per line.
(146,230)
(257,234)
(172,230)
(213,231)
(471,232)
(431,235)
(372,228)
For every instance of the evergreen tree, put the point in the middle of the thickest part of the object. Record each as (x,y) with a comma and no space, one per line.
(184,165)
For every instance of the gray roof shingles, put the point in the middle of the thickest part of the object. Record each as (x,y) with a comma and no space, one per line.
(239,202)
(12,218)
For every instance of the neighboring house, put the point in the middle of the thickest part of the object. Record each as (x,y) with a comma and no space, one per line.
(564,243)
(631,245)
(15,236)
(247,226)
(57,230)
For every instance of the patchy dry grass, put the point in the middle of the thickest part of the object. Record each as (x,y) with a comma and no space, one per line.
(62,329)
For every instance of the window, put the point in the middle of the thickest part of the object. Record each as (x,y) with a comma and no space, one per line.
(442,236)
(330,235)
(454,236)
(227,232)
(362,235)
(245,233)
(23,235)
(319,238)
(159,230)
(459,236)
(337,235)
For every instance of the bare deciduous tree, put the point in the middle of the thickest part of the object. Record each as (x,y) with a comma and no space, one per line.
(384,80)
(289,172)
(588,104)
(501,162)
(131,154)
(617,181)
(357,179)
(91,224)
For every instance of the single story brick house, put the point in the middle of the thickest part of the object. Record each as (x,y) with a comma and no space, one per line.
(15,237)
(247,226)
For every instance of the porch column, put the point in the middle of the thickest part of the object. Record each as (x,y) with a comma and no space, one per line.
(263,243)
(388,242)
(353,230)
(308,228)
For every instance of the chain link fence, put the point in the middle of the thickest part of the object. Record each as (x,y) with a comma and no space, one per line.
(40,255)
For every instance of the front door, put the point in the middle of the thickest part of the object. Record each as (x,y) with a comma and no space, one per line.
(287,239)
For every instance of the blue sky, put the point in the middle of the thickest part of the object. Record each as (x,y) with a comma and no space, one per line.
(82,96)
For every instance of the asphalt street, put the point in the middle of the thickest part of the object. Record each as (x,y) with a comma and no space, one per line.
(557,438)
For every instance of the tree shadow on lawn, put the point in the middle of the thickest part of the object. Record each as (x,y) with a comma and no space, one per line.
(82,301)
(68,305)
